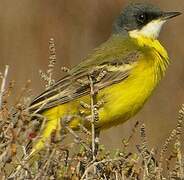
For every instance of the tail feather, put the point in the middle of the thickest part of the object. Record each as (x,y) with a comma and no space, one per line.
(44,137)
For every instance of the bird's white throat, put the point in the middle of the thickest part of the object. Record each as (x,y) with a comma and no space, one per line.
(150,30)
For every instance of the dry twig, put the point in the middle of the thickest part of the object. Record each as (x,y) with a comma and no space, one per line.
(3,84)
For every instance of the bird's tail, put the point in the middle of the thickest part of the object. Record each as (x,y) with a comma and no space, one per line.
(50,125)
(33,147)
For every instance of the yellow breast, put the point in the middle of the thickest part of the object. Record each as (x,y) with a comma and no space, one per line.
(125,99)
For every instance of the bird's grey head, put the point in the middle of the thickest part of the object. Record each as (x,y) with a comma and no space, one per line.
(142,19)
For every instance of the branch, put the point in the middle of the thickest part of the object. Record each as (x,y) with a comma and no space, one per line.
(3,85)
(93,99)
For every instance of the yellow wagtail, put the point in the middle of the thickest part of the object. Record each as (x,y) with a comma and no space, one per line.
(133,62)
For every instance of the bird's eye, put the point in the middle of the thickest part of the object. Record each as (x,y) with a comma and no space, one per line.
(141,18)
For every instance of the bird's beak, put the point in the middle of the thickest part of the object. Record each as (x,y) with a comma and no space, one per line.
(169,15)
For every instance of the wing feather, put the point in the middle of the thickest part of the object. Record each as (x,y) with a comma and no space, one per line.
(116,69)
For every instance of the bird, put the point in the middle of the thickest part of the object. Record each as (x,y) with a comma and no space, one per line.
(124,71)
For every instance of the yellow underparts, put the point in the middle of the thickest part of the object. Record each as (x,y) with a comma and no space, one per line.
(121,100)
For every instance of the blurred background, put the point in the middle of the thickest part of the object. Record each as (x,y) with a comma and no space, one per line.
(79,26)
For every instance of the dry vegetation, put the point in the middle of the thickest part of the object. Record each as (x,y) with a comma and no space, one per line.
(83,157)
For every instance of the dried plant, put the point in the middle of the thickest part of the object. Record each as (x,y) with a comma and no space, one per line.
(47,76)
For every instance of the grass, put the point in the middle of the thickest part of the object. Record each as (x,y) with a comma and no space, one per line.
(83,157)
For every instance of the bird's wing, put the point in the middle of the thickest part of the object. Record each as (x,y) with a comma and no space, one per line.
(104,69)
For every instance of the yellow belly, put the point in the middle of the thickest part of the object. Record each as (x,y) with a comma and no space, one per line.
(121,101)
